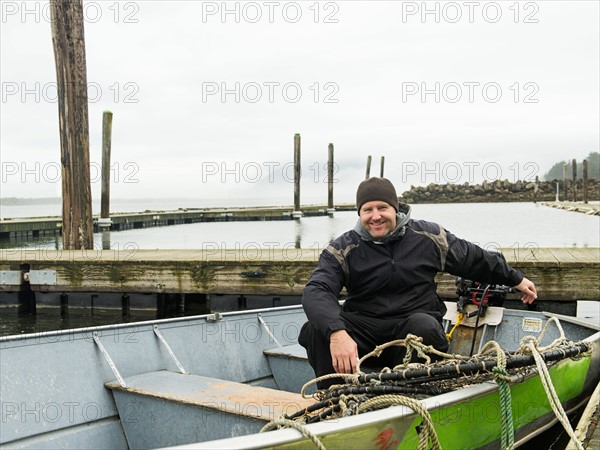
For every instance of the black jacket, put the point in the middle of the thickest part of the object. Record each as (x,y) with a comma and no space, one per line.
(396,278)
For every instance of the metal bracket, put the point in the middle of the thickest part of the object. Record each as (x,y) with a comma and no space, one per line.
(266,327)
(10,277)
(42,277)
(162,339)
(109,360)
(216,317)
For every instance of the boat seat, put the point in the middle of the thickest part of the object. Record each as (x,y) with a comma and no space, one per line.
(290,368)
(159,409)
(294,351)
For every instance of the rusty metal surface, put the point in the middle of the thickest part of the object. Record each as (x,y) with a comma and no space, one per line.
(221,395)
(160,409)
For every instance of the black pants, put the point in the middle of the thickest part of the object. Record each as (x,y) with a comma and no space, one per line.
(369,332)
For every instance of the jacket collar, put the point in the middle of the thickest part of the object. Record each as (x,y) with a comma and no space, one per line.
(402,218)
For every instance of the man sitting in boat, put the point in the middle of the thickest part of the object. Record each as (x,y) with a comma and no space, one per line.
(387,264)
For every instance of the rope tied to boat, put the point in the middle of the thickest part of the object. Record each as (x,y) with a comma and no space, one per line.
(286,423)
(502,378)
(529,344)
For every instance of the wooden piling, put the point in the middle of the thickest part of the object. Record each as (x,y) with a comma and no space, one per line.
(368,174)
(381,166)
(64,305)
(574,180)
(125,306)
(106,146)
(565,183)
(105,239)
(93,303)
(69,54)
(585,181)
(330,178)
(297,172)
(26,295)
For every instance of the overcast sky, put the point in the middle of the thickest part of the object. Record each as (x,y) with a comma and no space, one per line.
(207,96)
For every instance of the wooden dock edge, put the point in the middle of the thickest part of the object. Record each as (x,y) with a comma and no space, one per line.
(560,274)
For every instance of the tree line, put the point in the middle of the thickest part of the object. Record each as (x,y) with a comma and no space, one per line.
(593,160)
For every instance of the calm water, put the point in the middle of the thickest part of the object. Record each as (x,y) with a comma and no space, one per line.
(490,225)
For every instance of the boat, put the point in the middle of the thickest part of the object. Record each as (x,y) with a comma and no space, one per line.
(216,380)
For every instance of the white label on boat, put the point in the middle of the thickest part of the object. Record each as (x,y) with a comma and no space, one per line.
(532,324)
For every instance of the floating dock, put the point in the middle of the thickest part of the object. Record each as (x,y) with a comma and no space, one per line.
(589,209)
(51,226)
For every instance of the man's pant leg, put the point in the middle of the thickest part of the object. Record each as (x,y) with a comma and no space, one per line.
(425,326)
(360,328)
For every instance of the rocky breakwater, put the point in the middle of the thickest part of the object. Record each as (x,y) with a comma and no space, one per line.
(497,191)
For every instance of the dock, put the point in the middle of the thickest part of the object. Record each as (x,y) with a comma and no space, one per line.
(561,274)
(51,226)
(589,209)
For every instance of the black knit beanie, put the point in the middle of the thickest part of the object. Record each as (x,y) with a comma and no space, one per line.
(376,189)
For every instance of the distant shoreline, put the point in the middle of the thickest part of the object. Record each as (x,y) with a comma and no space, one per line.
(18,201)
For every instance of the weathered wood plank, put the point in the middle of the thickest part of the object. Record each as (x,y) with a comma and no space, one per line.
(558,274)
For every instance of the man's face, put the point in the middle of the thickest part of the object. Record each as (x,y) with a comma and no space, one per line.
(378,218)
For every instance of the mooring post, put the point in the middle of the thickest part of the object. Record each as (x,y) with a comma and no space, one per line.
(381,166)
(161,305)
(180,304)
(93,303)
(66,19)
(565,183)
(64,305)
(26,296)
(104,221)
(330,208)
(574,180)
(585,181)
(368,174)
(297,172)
(125,305)
(105,239)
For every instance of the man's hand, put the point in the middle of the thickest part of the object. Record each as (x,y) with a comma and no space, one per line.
(344,352)
(528,289)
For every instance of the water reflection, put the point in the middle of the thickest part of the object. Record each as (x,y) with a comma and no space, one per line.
(506,225)
(298,228)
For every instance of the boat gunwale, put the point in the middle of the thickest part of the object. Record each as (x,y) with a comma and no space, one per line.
(171,320)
